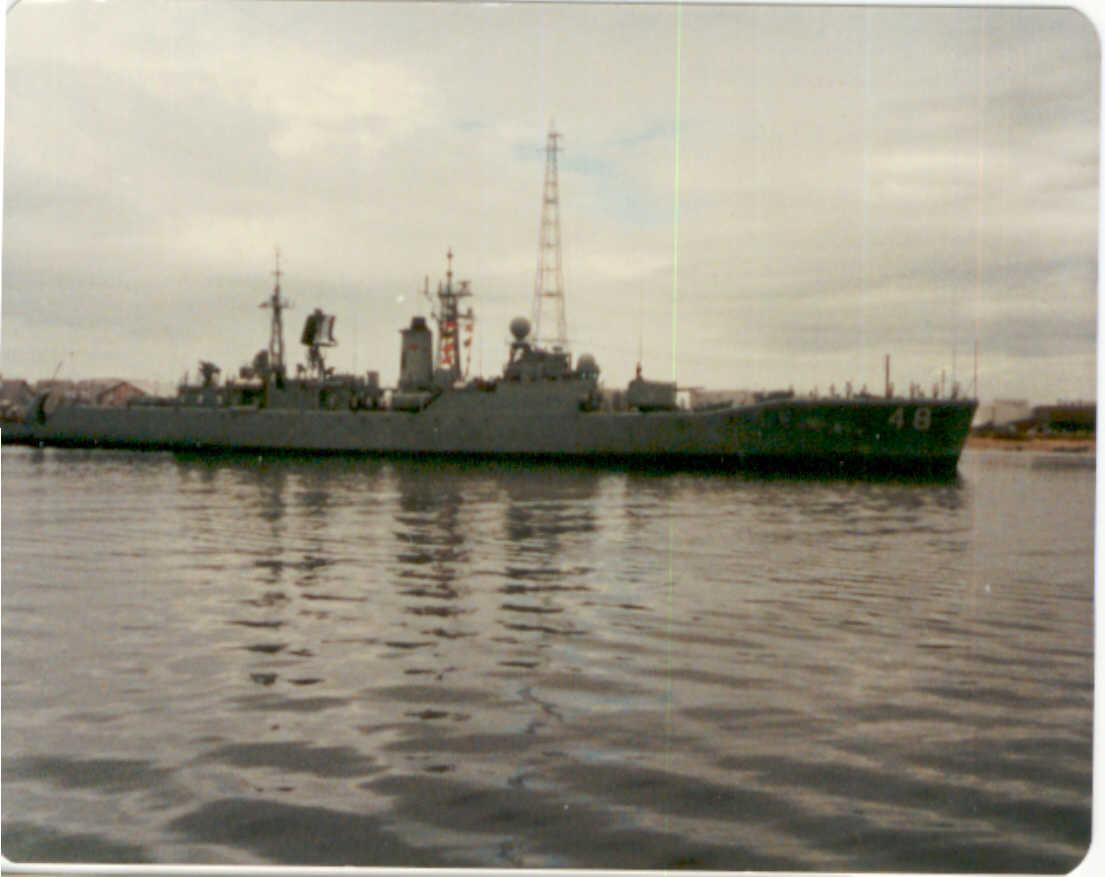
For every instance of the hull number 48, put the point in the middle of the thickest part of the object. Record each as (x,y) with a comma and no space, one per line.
(922,418)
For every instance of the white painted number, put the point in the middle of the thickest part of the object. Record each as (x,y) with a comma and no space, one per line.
(922,418)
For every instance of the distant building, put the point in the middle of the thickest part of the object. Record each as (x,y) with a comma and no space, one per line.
(95,391)
(1065,417)
(1015,418)
(45,384)
(119,394)
(16,390)
(65,389)
(15,396)
(1001,413)
(700,398)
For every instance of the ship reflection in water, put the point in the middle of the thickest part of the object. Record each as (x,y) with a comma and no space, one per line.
(299,661)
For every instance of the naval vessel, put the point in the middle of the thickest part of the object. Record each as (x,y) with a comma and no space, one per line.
(542,405)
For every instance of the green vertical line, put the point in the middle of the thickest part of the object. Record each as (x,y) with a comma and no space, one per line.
(675,207)
(674,345)
(668,704)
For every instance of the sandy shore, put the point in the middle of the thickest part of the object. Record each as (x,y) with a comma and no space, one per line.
(1066,445)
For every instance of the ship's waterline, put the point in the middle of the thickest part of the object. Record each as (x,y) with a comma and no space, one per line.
(547,423)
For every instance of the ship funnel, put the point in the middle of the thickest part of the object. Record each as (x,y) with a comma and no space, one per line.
(416,361)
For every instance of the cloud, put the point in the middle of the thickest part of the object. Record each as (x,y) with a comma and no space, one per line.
(846,179)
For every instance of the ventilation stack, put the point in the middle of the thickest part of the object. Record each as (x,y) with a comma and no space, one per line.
(416,361)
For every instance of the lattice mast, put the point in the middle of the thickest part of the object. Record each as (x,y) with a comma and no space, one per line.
(276,334)
(549,289)
(454,325)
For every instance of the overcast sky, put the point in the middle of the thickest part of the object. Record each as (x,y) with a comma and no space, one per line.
(754,196)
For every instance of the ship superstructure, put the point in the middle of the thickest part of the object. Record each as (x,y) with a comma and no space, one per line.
(542,405)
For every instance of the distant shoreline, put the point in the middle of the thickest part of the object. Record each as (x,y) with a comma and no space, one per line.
(1064,445)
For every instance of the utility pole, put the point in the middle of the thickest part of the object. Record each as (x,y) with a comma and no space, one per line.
(549,289)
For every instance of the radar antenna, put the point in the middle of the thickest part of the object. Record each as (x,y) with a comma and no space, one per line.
(318,333)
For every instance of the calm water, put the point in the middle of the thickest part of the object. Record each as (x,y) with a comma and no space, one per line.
(338,661)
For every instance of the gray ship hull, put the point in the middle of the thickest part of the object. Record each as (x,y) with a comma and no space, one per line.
(515,421)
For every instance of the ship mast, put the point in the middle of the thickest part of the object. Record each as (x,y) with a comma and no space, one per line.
(276,334)
(449,319)
(550,278)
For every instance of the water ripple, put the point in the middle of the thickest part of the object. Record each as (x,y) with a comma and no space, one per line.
(346,661)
